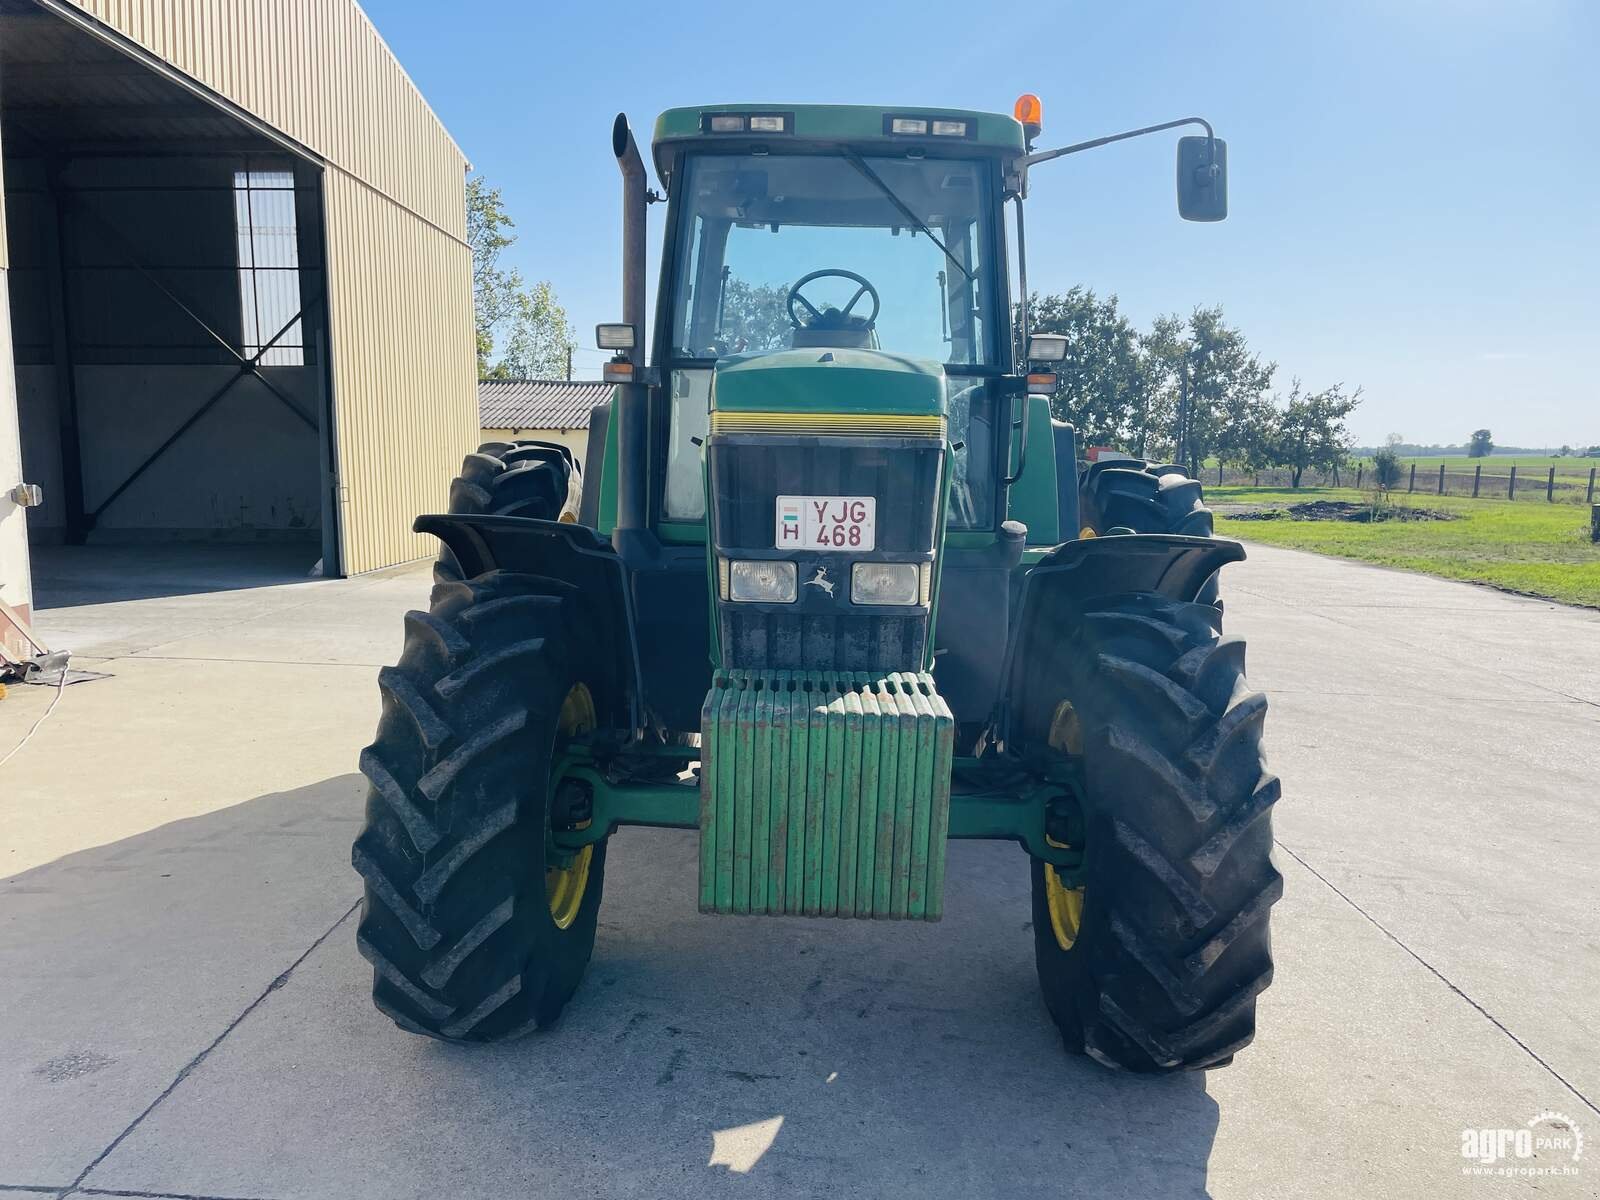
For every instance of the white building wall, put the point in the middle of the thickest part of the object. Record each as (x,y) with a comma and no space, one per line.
(14,587)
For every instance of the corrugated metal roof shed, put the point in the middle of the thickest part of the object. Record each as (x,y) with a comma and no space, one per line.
(538,403)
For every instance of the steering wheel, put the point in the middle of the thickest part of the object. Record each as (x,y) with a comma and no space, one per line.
(817,320)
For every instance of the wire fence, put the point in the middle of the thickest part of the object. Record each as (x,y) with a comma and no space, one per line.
(1548,484)
(1272,477)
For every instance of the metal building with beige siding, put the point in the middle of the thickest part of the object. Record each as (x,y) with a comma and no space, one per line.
(240,289)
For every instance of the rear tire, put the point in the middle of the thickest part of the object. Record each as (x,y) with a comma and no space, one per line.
(1132,496)
(1139,497)
(515,479)
(1167,943)
(468,939)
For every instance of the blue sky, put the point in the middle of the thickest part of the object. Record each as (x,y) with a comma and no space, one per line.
(1414,189)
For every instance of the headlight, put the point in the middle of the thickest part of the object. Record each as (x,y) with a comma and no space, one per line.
(885,583)
(761,582)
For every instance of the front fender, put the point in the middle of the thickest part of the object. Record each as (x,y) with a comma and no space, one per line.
(1175,565)
(575,555)
(1060,589)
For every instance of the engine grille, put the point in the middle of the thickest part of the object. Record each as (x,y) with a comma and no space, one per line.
(822,630)
(840,642)
(748,474)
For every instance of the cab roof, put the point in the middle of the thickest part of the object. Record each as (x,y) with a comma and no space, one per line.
(859,125)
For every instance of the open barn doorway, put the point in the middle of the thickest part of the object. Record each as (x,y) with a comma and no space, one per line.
(169,323)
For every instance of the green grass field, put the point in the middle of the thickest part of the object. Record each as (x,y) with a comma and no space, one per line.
(1539,549)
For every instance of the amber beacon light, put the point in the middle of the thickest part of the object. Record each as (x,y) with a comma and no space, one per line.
(1029,114)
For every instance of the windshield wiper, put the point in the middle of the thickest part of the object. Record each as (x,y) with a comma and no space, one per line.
(856,161)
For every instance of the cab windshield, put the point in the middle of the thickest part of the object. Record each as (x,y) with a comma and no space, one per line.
(754,226)
(898,255)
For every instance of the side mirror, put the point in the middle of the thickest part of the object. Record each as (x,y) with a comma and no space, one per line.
(1047,347)
(1202,179)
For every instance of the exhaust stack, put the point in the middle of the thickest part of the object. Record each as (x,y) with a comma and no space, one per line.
(633,206)
(632,398)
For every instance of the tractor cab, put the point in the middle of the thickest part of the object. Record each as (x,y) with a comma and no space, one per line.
(835,229)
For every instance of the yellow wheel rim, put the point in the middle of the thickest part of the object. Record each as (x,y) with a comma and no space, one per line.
(1065,904)
(1066,729)
(1066,908)
(564,886)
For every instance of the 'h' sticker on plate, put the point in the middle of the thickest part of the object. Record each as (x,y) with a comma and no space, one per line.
(826,523)
(788,521)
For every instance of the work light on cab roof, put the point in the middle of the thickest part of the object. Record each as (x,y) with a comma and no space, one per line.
(831,589)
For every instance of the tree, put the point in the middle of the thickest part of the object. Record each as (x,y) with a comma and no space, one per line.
(1386,472)
(1102,387)
(486,223)
(1188,389)
(1310,430)
(1213,387)
(1163,351)
(755,316)
(528,325)
(536,335)
(1122,388)
(1482,444)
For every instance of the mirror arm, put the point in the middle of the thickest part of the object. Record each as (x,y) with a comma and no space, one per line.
(1022,278)
(1047,155)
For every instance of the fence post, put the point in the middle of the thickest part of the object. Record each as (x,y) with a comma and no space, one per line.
(1219,472)
(1477,478)
(1412,486)
(1361,467)
(1594,521)
(1590,500)
(1550,486)
(1511,488)
(1441,479)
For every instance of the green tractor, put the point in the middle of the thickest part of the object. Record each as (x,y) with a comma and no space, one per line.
(835,590)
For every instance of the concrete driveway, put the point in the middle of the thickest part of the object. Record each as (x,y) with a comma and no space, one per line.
(184,1012)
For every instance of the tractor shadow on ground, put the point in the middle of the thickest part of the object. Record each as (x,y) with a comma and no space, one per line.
(703,1054)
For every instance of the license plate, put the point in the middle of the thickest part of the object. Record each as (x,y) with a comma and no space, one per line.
(826,523)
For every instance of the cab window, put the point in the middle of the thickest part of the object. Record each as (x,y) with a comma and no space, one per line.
(916,232)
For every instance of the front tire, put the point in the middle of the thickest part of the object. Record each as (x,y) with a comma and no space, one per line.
(1154,965)
(475,928)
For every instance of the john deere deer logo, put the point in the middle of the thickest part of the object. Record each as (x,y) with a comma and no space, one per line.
(821,580)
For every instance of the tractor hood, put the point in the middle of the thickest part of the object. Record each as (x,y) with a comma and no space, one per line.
(819,384)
